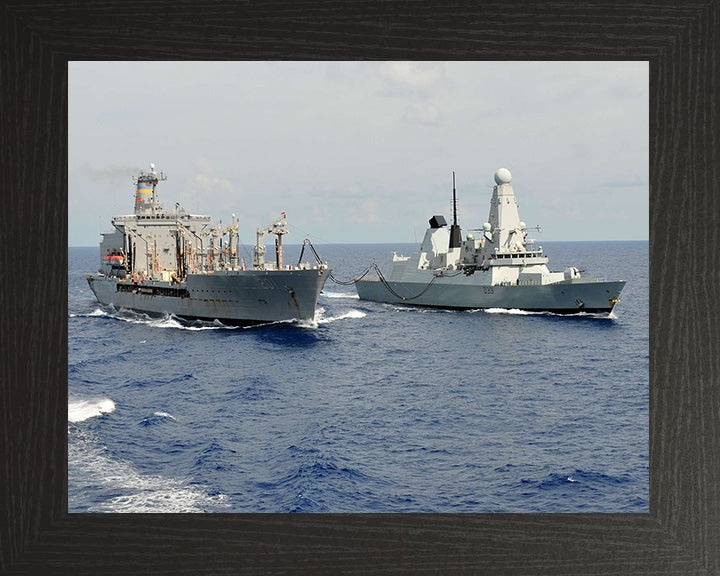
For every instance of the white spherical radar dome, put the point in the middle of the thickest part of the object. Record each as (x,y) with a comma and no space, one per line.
(503,176)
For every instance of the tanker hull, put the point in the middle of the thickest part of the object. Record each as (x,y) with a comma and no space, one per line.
(232,297)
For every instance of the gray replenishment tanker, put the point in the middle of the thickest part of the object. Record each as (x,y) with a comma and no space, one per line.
(498,267)
(171,262)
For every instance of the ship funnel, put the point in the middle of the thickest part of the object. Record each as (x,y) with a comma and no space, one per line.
(145,194)
(145,197)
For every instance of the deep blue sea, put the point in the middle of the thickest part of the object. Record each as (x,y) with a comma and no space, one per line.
(371,408)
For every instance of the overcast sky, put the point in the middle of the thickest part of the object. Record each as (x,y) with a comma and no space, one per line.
(363,152)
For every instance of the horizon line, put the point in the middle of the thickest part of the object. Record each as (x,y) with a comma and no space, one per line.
(415,243)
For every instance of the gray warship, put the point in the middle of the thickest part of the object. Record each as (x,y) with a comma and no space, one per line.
(498,267)
(160,262)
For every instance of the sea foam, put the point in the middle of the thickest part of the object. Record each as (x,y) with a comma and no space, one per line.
(133,491)
(348,314)
(340,295)
(81,410)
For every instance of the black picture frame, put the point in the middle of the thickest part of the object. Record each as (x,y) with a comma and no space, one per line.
(681,533)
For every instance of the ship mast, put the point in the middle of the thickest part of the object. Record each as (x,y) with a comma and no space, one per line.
(455,240)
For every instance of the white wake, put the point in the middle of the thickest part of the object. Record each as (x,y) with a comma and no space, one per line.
(130,490)
(346,295)
(81,410)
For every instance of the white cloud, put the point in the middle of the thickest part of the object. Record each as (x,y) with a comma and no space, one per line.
(364,212)
(321,214)
(206,183)
(418,84)
(410,78)
(421,114)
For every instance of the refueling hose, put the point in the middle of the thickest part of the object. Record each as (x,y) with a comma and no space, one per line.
(372,266)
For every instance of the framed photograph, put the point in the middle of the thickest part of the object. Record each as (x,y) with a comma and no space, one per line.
(57,520)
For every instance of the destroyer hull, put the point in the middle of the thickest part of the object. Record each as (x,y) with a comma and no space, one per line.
(561,297)
(232,297)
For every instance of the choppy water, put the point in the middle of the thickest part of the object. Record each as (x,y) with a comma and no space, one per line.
(370,408)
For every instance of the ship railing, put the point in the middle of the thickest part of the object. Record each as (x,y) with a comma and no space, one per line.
(593,278)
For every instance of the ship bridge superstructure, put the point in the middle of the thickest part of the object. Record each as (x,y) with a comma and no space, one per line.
(499,253)
(167,245)
(502,245)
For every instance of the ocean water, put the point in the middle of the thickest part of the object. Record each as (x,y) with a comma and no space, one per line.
(370,408)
